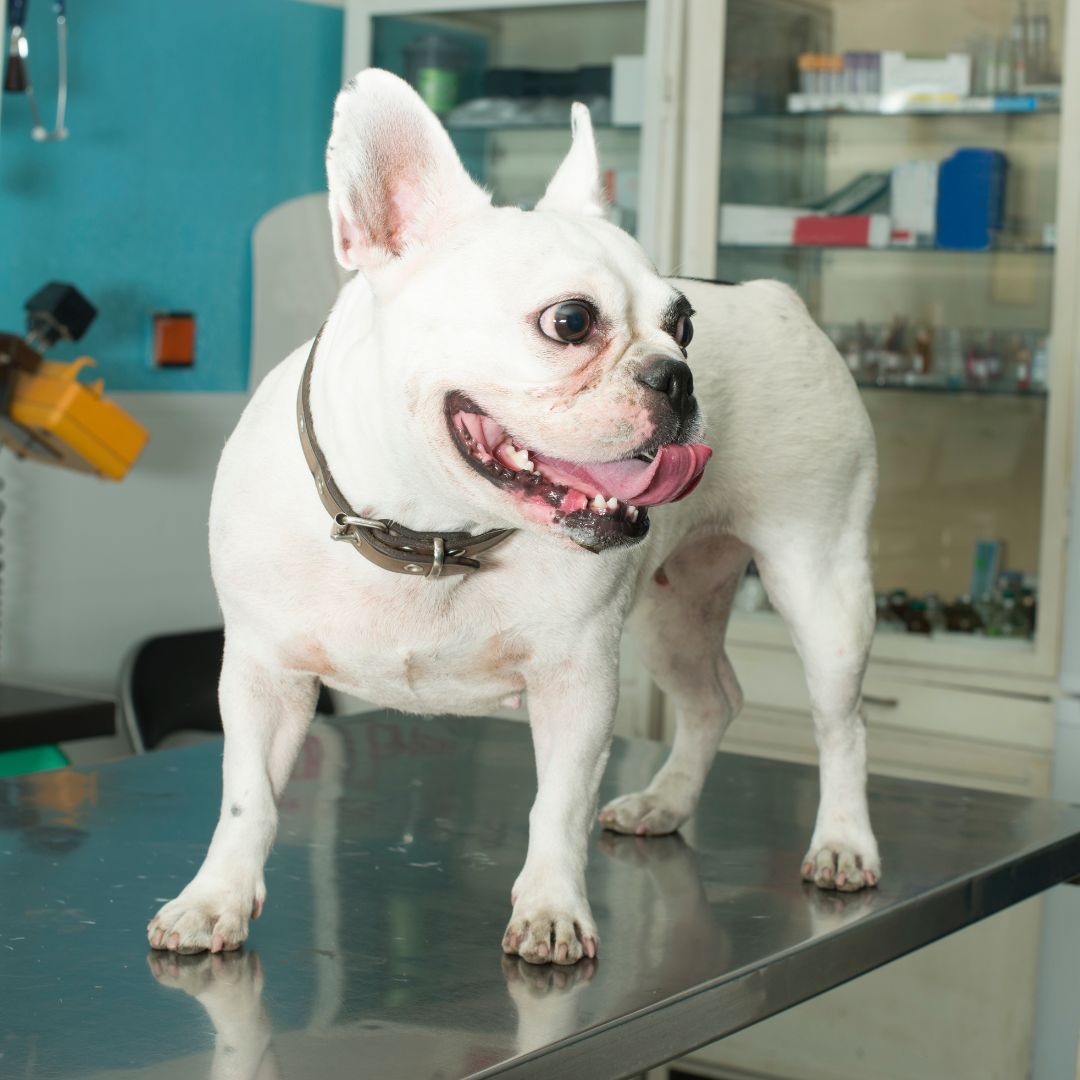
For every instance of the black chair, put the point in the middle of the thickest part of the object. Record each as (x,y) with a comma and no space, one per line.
(169,684)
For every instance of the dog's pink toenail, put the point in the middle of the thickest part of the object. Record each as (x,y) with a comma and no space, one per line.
(807,869)
(174,941)
(841,878)
(218,944)
(563,952)
(642,830)
(871,879)
(590,947)
(542,949)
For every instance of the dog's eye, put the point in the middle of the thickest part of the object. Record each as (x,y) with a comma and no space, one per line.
(684,331)
(571,322)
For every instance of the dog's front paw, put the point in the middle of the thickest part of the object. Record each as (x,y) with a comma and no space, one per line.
(842,865)
(204,919)
(644,813)
(544,933)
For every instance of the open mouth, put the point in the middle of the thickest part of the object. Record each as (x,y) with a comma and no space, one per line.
(599,504)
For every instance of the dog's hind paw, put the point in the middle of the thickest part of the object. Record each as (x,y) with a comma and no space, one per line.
(643,814)
(203,920)
(548,935)
(842,867)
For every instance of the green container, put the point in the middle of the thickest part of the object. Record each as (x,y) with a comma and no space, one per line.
(32,759)
(434,66)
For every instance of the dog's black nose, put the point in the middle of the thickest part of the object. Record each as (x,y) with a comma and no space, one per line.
(674,380)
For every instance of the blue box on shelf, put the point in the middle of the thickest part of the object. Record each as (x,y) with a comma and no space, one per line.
(971,199)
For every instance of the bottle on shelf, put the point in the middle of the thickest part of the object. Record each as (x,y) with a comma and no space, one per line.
(935,614)
(1028,608)
(961,616)
(1008,619)
(917,621)
(888,621)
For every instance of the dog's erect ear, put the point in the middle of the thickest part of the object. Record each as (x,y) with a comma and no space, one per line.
(395,178)
(575,188)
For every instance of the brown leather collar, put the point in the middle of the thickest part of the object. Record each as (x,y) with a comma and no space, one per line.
(380,540)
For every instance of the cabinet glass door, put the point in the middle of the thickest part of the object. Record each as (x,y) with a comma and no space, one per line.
(502,80)
(898,164)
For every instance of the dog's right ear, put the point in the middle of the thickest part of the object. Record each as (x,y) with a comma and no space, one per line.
(395,179)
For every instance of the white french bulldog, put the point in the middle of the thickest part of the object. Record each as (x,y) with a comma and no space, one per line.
(495,369)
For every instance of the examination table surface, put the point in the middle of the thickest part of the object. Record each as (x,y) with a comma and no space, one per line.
(389,887)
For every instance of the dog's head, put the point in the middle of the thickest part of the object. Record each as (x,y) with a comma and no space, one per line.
(533,362)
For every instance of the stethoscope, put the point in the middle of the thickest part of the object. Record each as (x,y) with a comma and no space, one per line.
(17,76)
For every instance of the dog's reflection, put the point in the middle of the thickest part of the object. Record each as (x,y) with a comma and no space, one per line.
(829,911)
(229,987)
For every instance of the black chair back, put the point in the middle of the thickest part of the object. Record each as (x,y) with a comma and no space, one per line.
(169,683)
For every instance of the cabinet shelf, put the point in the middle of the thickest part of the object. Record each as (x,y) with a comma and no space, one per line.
(981,107)
(811,249)
(564,126)
(938,386)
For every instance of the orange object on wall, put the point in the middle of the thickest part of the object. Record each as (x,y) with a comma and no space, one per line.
(174,339)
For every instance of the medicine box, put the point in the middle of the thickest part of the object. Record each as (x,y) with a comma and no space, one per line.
(907,77)
(971,199)
(913,202)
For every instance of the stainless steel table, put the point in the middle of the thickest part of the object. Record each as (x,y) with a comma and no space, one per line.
(378,955)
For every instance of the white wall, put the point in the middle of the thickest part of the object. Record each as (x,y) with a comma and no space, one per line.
(91,566)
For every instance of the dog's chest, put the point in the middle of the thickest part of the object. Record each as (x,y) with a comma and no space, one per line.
(418,656)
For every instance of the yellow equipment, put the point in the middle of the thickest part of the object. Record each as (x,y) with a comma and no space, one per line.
(46,414)
(71,423)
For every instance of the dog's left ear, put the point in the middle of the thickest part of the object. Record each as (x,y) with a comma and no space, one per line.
(575,188)
(395,179)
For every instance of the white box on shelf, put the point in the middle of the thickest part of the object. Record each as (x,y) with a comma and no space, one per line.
(627,90)
(907,78)
(768,225)
(913,197)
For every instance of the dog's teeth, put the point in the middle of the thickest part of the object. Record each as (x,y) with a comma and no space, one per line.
(613,503)
(598,503)
(631,512)
(519,459)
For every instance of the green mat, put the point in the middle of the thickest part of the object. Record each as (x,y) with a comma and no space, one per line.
(31,759)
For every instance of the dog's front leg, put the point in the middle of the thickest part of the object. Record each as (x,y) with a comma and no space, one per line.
(265,712)
(571,712)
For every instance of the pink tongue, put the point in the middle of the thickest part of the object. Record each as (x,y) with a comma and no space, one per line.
(672,474)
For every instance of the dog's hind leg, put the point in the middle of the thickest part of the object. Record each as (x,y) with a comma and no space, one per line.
(821,585)
(680,621)
(265,711)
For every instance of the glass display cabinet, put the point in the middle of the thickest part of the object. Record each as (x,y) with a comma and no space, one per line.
(502,78)
(905,167)
(911,170)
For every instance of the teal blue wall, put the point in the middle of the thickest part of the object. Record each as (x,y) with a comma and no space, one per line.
(189,120)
